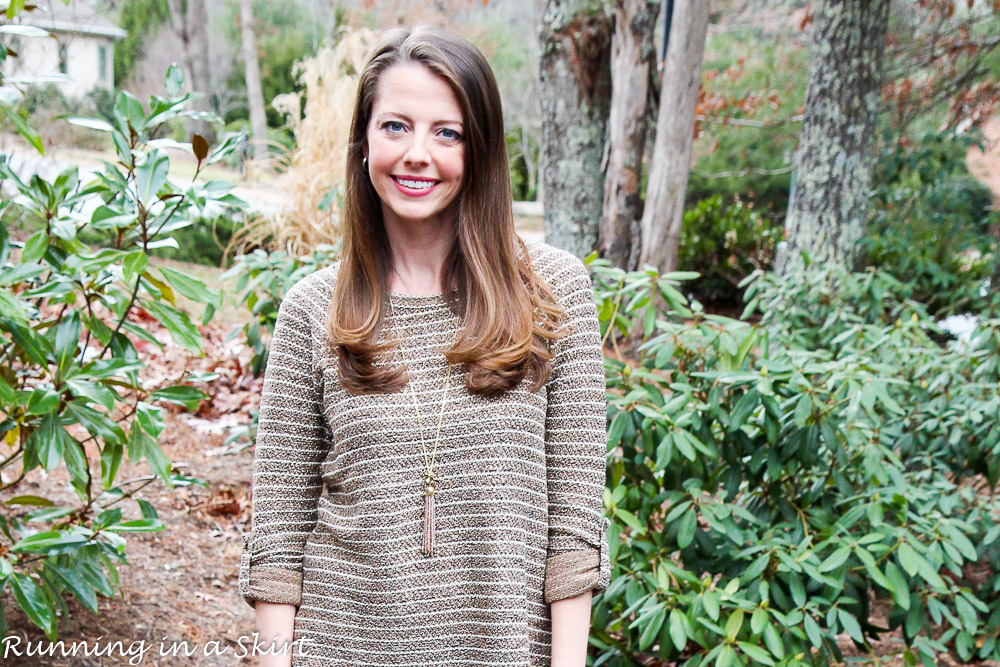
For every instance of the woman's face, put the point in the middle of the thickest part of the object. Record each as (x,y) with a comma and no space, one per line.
(415,146)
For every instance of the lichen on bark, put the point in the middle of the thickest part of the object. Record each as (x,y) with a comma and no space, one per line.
(831,183)
(574,94)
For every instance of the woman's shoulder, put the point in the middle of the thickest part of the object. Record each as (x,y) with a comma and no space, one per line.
(560,269)
(315,287)
(320,280)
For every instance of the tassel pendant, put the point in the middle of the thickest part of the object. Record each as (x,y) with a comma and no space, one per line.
(429,516)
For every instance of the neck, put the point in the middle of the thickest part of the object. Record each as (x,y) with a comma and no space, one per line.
(418,250)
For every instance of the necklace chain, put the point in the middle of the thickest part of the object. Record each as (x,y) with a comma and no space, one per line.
(413,394)
(429,465)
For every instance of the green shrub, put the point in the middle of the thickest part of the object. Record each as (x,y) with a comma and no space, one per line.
(45,105)
(770,484)
(262,280)
(204,241)
(39,97)
(749,76)
(101,102)
(936,160)
(725,244)
(67,359)
(930,222)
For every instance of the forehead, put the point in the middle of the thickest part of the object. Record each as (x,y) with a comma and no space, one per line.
(414,91)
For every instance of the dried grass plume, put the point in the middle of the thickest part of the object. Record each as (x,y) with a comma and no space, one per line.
(315,171)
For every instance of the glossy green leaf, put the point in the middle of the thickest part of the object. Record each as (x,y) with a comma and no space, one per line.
(686,529)
(678,633)
(734,624)
(72,580)
(756,653)
(652,629)
(177,323)
(773,642)
(27,132)
(909,559)
(34,602)
(151,175)
(813,631)
(191,288)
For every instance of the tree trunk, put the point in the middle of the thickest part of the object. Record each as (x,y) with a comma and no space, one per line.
(201,73)
(255,98)
(633,52)
(574,94)
(670,165)
(178,21)
(189,21)
(831,183)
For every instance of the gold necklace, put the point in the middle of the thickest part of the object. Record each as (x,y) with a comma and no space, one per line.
(428,532)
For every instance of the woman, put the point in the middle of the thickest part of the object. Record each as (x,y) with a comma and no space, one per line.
(430,458)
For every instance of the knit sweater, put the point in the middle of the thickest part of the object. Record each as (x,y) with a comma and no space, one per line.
(338,484)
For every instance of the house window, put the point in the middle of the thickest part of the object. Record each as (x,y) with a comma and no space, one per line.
(62,58)
(102,62)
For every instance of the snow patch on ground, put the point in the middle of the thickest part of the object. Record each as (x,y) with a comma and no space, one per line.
(960,325)
(214,426)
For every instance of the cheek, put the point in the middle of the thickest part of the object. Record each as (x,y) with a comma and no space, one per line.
(453,164)
(381,156)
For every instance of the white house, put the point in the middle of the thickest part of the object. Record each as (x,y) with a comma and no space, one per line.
(80,46)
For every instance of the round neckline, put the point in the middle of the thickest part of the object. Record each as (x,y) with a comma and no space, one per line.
(416,299)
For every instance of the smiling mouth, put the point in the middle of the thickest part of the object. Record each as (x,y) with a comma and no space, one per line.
(415,187)
(415,183)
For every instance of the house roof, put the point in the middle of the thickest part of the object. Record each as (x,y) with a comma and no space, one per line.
(80,16)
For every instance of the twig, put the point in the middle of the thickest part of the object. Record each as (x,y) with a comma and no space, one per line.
(744,172)
(750,122)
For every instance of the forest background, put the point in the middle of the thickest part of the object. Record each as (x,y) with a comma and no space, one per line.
(803,449)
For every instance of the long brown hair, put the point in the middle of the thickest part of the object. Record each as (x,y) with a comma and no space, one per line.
(508,311)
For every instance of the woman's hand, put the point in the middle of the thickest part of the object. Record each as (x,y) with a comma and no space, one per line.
(275,622)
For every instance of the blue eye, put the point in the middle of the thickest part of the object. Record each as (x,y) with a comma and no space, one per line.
(453,135)
(393,126)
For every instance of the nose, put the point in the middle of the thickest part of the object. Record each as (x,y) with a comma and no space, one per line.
(417,153)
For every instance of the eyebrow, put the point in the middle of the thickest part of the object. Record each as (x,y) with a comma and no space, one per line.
(382,116)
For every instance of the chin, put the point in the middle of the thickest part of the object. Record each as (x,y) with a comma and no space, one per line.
(416,216)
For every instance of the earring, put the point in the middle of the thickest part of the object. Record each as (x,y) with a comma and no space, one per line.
(364,161)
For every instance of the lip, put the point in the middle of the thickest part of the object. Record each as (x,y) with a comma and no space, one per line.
(413,192)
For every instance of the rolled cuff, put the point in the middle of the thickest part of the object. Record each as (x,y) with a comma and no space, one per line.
(267,583)
(573,573)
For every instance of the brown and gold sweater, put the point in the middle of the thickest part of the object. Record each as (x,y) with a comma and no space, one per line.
(338,490)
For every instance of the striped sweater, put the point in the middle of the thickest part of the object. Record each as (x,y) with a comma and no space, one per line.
(338,490)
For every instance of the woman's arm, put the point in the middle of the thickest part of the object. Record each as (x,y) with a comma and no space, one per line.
(577,565)
(292,442)
(570,630)
(275,622)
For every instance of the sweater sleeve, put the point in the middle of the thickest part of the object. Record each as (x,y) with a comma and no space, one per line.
(292,442)
(576,443)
